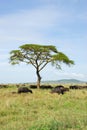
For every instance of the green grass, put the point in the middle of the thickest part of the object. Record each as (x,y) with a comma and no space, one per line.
(43,110)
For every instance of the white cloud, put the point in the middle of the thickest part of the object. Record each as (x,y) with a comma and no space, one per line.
(26,26)
(69,75)
(74,75)
(32,25)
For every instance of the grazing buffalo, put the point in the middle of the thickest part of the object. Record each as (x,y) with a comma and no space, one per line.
(84,86)
(65,89)
(59,89)
(59,86)
(46,87)
(73,87)
(33,86)
(77,87)
(24,90)
(42,86)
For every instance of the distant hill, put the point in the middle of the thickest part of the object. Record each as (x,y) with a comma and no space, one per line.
(64,81)
(70,81)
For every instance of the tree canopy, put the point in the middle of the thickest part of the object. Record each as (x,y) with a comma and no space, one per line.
(39,56)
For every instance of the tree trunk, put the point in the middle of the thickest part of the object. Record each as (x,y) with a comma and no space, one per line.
(38,79)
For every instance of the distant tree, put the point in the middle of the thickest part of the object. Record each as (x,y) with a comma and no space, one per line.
(39,56)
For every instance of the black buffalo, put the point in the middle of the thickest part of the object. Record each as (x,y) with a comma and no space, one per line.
(77,87)
(46,87)
(24,90)
(59,86)
(73,87)
(59,89)
(42,86)
(33,86)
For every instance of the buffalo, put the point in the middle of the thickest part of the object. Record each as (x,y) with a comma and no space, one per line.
(33,86)
(24,90)
(42,86)
(77,87)
(59,86)
(59,89)
(73,87)
(46,87)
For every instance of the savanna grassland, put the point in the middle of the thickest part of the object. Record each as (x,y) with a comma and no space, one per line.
(43,110)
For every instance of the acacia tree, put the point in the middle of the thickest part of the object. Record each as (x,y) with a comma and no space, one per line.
(39,56)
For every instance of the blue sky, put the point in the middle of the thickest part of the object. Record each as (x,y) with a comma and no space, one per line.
(62,23)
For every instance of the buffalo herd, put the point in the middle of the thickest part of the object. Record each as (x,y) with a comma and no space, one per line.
(59,89)
(41,87)
(77,87)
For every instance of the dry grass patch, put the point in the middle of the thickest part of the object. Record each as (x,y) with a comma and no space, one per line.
(43,110)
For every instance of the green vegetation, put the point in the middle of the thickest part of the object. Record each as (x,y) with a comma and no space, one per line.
(43,110)
(39,56)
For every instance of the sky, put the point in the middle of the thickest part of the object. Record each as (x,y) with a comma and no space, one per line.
(62,23)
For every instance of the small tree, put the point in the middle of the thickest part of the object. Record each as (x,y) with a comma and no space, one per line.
(39,56)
